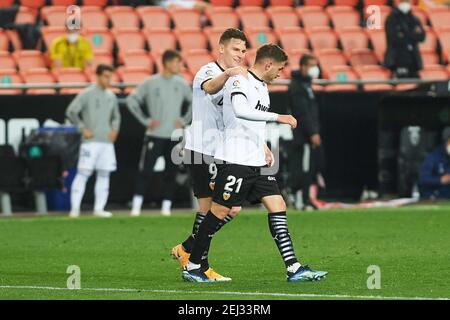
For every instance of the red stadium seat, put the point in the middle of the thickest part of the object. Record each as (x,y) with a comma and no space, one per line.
(439,17)
(7,60)
(329,58)
(282,3)
(351,3)
(222,17)
(314,3)
(213,36)
(191,39)
(123,17)
(260,36)
(313,17)
(378,39)
(430,43)
(283,17)
(6,3)
(25,15)
(294,59)
(154,17)
(421,14)
(7,78)
(160,40)
(4,41)
(54,16)
(49,33)
(100,38)
(353,38)
(195,59)
(252,17)
(221,3)
(39,76)
(63,2)
(429,57)
(14,38)
(343,16)
(138,58)
(342,74)
(95,3)
(434,72)
(70,75)
(292,38)
(132,75)
(129,39)
(29,59)
(34,5)
(358,57)
(101,57)
(375,3)
(374,73)
(372,11)
(322,38)
(185,18)
(93,17)
(251,3)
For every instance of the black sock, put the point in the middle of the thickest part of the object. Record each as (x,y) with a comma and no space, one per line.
(188,244)
(204,235)
(280,233)
(205,262)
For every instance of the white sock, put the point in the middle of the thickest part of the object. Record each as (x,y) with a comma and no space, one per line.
(192,266)
(294,267)
(137,202)
(101,190)
(166,205)
(78,188)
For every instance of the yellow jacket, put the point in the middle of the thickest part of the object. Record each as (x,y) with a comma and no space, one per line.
(72,55)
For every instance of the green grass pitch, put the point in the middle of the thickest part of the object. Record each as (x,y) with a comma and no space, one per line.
(129,258)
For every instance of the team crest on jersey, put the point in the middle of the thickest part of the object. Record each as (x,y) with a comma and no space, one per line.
(212,184)
(209,73)
(226,196)
(236,83)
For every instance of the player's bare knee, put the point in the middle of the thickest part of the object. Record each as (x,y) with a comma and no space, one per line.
(204,205)
(220,211)
(235,211)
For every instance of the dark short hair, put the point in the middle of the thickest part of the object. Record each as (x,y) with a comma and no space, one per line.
(169,55)
(271,51)
(232,33)
(102,68)
(305,58)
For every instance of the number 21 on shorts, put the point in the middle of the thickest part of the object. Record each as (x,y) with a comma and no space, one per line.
(229,186)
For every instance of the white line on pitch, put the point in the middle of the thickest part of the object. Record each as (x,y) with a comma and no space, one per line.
(269,294)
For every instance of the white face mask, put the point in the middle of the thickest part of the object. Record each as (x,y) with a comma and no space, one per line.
(72,37)
(313,72)
(448,149)
(404,7)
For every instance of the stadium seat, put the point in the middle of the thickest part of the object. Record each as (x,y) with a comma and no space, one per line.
(260,36)
(39,76)
(439,17)
(222,17)
(443,35)
(374,3)
(292,38)
(374,73)
(94,17)
(434,72)
(429,57)
(313,17)
(25,16)
(191,39)
(6,3)
(252,17)
(329,58)
(128,39)
(430,43)
(358,57)
(294,59)
(322,38)
(123,17)
(8,77)
(34,5)
(29,59)
(4,41)
(185,18)
(14,38)
(102,57)
(213,36)
(100,39)
(283,17)
(351,3)
(371,11)
(95,3)
(221,3)
(343,16)
(54,16)
(378,41)
(282,3)
(353,38)
(421,14)
(138,58)
(70,75)
(160,40)
(315,3)
(342,74)
(49,33)
(132,75)
(153,17)
(251,3)
(195,59)
(63,2)
(7,60)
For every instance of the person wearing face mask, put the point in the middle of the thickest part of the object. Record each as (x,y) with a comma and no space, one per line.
(306,149)
(434,179)
(404,31)
(71,51)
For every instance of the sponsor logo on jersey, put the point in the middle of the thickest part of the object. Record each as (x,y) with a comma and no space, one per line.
(212,184)
(261,107)
(226,196)
(270,178)
(209,73)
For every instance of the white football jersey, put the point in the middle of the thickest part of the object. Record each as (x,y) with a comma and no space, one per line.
(244,140)
(207,122)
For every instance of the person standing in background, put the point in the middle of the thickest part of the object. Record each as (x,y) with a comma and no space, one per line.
(99,124)
(163,96)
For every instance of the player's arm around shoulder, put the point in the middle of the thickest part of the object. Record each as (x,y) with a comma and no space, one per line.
(216,84)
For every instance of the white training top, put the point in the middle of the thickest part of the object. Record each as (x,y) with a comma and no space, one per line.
(245,112)
(207,122)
